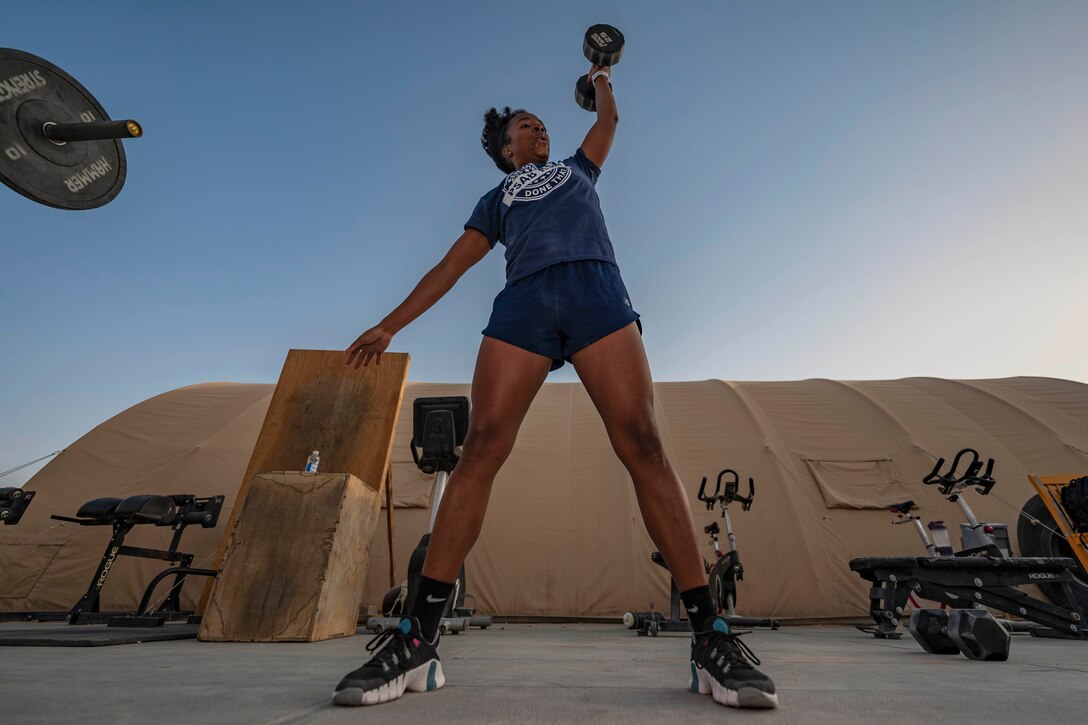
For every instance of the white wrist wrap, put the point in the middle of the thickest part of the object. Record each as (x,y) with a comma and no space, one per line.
(598,74)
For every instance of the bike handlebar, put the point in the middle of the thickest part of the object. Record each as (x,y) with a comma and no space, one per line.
(986,481)
(746,501)
(731,491)
(712,498)
(956,460)
(950,482)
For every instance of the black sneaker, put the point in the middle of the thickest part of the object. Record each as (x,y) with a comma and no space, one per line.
(407,661)
(722,666)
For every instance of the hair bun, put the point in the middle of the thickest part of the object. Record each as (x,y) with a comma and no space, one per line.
(493,137)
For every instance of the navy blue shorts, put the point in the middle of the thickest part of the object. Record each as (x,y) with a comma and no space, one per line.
(558,310)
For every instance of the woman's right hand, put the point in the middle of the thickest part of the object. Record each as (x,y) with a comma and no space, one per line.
(371,344)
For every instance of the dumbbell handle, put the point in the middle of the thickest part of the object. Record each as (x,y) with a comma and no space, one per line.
(92,131)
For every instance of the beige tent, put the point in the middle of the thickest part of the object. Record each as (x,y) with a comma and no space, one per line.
(563,535)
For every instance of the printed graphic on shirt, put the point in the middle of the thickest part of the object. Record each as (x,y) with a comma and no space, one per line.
(532,182)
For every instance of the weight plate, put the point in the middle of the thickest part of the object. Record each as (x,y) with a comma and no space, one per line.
(603,45)
(585,95)
(75,175)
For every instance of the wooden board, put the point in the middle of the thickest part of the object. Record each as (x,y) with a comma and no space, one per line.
(296,562)
(349,416)
(322,404)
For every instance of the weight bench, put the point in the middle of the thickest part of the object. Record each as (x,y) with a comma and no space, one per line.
(13,502)
(176,511)
(963,582)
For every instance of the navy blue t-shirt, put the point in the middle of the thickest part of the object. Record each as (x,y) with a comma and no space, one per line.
(544,215)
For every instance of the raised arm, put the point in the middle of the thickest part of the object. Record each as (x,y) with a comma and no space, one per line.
(598,141)
(469,249)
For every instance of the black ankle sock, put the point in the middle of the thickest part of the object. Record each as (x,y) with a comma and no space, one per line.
(699,605)
(431,600)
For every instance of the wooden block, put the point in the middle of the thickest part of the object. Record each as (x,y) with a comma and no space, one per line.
(321,404)
(296,563)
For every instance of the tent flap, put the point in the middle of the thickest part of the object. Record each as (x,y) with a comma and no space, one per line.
(857,484)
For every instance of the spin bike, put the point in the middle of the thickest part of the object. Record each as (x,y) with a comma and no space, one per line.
(979,539)
(439,427)
(722,576)
(727,569)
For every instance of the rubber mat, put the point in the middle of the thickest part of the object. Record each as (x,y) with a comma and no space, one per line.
(90,635)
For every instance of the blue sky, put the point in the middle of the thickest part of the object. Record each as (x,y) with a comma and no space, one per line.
(850,190)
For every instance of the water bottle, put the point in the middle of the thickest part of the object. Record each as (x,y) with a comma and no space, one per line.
(311,462)
(940,537)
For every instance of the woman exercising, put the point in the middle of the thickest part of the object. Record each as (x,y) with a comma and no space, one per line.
(564,300)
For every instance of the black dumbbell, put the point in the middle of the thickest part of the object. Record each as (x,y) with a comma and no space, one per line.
(929,627)
(978,635)
(603,46)
(972,632)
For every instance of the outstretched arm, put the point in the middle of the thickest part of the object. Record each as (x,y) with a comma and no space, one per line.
(469,249)
(599,139)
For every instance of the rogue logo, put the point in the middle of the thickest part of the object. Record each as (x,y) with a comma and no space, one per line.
(532,182)
(106,570)
(1033,575)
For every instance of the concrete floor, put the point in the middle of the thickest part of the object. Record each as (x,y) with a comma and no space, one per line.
(547,673)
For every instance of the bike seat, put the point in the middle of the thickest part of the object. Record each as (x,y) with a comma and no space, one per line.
(902,508)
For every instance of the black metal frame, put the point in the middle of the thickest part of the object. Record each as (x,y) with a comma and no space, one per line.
(963,582)
(13,502)
(187,510)
(978,576)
